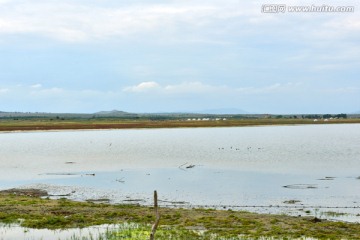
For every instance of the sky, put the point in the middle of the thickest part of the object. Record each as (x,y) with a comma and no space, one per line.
(178,56)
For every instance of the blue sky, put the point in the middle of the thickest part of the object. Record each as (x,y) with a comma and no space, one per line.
(177,55)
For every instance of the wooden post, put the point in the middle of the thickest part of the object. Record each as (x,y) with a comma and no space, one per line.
(157,214)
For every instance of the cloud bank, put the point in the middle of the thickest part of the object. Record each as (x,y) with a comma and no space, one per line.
(154,55)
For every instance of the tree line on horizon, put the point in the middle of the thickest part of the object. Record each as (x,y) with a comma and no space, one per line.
(315,116)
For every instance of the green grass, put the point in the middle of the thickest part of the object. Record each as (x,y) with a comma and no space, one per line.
(35,212)
(130,231)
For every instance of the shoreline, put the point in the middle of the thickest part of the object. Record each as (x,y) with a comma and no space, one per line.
(49,126)
(227,222)
(39,212)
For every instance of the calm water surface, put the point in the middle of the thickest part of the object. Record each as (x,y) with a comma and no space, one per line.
(317,165)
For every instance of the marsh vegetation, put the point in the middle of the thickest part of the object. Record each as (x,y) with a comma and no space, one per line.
(36,212)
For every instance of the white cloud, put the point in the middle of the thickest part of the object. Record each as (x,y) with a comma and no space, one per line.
(192,87)
(48,91)
(342,90)
(4,90)
(69,21)
(351,23)
(36,86)
(185,87)
(162,43)
(274,88)
(143,71)
(152,96)
(37,91)
(32,90)
(55,99)
(201,88)
(143,87)
(212,22)
(185,20)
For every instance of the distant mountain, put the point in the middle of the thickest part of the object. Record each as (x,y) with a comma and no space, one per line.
(223,111)
(113,112)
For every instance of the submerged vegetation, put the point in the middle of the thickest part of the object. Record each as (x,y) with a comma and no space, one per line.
(36,212)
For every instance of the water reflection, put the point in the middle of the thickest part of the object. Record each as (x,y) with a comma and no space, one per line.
(304,166)
(207,187)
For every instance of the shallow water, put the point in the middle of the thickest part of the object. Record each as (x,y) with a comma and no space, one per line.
(15,232)
(233,167)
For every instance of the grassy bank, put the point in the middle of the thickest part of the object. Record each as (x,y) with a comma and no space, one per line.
(74,124)
(35,212)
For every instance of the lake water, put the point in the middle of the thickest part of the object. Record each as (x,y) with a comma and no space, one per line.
(261,169)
